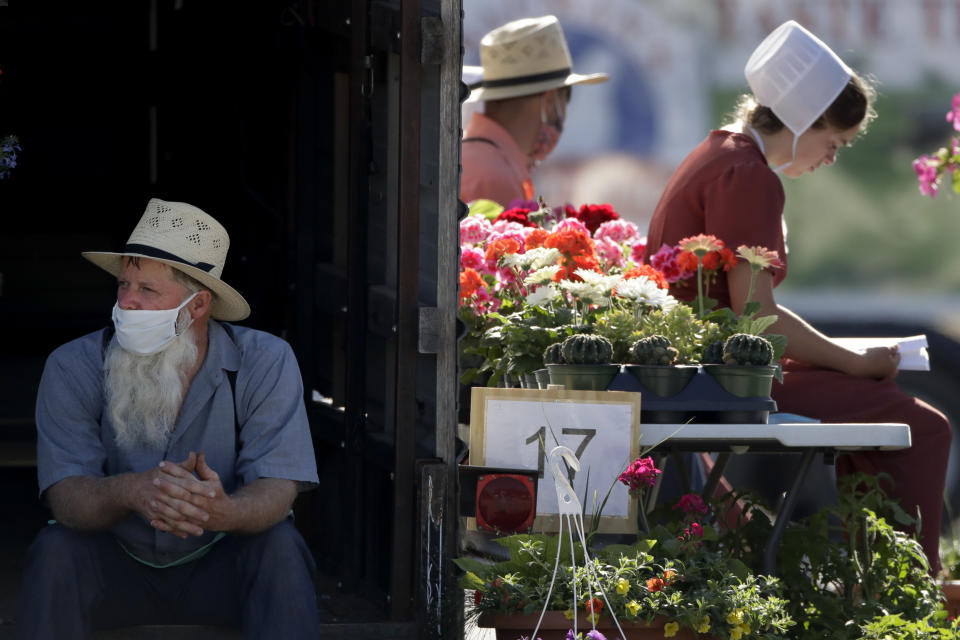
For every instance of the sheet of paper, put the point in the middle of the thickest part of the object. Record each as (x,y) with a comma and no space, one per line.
(913,349)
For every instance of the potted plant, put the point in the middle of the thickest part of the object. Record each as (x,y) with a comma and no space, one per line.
(585,362)
(653,363)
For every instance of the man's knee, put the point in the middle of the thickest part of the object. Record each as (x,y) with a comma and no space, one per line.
(280,546)
(59,550)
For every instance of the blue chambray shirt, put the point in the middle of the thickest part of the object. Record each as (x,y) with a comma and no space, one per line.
(75,435)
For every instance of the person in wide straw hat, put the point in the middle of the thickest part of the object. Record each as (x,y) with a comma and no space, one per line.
(526,80)
(806,104)
(170,448)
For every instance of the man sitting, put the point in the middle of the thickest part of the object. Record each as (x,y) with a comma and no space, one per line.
(170,449)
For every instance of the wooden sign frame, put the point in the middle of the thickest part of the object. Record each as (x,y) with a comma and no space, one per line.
(558,407)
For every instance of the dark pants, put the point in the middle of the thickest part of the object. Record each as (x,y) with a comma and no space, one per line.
(76,582)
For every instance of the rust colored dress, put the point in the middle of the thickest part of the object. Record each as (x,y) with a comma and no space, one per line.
(724,187)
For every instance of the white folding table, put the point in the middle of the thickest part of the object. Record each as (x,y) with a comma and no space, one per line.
(805,438)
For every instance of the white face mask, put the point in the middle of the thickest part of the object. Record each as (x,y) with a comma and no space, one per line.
(149,331)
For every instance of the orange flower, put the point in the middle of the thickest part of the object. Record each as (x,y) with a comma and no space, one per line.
(470,282)
(669,576)
(654,584)
(499,247)
(535,238)
(570,241)
(649,272)
(594,605)
(569,265)
(687,261)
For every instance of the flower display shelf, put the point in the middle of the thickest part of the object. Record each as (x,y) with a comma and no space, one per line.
(703,400)
(555,626)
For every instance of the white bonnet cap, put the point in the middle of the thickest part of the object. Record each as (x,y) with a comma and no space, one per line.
(796,75)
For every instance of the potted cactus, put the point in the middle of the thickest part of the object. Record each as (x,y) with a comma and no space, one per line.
(742,365)
(584,362)
(653,364)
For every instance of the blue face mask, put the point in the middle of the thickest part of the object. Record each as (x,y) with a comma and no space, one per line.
(149,331)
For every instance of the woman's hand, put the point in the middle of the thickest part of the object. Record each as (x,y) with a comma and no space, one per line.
(876,362)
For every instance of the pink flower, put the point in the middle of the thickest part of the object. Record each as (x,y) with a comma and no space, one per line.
(472,258)
(610,252)
(691,503)
(638,250)
(695,530)
(954,114)
(474,230)
(619,231)
(507,227)
(568,223)
(665,261)
(641,473)
(926,169)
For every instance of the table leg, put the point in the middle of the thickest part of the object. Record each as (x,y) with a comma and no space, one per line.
(783,517)
(715,474)
(660,461)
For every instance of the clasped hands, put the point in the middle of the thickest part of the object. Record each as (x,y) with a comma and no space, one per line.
(186,498)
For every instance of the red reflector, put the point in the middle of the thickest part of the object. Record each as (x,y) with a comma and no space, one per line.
(505,503)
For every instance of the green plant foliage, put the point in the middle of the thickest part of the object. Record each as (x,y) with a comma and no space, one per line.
(850,574)
(587,349)
(553,354)
(747,349)
(713,353)
(654,350)
(680,326)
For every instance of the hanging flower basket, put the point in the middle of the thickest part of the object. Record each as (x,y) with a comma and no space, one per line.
(555,626)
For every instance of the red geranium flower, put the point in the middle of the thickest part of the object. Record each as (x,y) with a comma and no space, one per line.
(594,605)
(516,214)
(594,215)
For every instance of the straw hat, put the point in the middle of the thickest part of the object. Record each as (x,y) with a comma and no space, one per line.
(187,239)
(525,57)
(796,75)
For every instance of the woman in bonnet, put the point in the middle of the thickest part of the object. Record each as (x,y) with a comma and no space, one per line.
(806,105)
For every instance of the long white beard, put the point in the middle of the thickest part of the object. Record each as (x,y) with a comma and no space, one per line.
(145,393)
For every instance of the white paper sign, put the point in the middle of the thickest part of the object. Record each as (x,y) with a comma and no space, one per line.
(514,428)
(913,350)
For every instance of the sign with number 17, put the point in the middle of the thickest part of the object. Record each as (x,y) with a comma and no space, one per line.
(515,428)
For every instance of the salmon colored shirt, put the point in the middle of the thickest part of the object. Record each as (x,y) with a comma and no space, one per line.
(494,168)
(724,188)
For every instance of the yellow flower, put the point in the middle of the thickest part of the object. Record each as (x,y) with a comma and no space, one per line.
(735,618)
(670,629)
(568,614)
(623,585)
(735,633)
(633,606)
(704,625)
(745,628)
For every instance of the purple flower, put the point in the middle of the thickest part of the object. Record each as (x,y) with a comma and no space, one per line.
(8,155)
(596,635)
